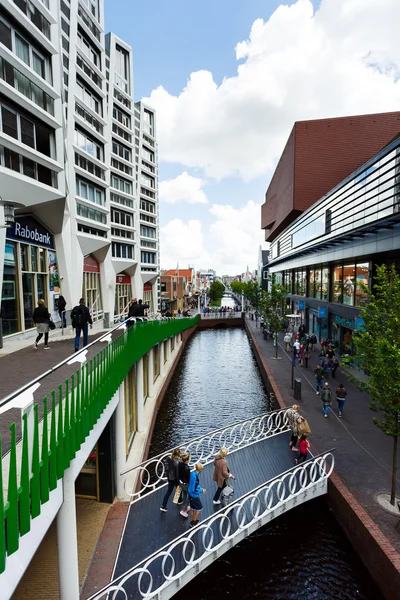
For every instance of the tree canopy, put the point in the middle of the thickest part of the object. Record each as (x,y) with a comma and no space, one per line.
(378,351)
(216,291)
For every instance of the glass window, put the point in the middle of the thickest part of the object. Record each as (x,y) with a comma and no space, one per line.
(10,312)
(24,257)
(311,283)
(348,284)
(22,49)
(11,160)
(362,271)
(337,280)
(27,132)
(325,283)
(318,283)
(5,34)
(28,167)
(9,122)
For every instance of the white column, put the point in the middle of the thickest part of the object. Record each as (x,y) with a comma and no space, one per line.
(120,444)
(67,542)
(161,356)
(140,395)
(150,369)
(167,350)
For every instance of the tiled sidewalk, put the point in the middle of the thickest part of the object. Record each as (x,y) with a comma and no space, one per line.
(363,454)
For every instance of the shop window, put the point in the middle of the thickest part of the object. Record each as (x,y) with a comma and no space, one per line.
(130,407)
(348,284)
(337,284)
(156,359)
(362,270)
(318,283)
(123,295)
(325,283)
(92,294)
(9,311)
(311,283)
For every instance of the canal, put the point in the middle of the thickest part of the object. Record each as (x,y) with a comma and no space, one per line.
(302,555)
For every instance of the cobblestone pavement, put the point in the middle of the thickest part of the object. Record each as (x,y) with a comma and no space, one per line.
(363,454)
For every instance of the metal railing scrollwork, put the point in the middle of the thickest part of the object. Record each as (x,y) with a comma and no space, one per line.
(219,532)
(151,474)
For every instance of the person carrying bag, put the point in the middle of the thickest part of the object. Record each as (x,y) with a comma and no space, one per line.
(303,427)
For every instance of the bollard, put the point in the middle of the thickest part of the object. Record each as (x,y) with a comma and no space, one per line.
(297,389)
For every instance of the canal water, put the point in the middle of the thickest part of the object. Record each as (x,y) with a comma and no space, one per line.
(302,555)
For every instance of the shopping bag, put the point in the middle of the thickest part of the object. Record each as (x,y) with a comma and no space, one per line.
(177,494)
(303,427)
(228,491)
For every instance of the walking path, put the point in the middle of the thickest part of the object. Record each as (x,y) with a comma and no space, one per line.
(363,456)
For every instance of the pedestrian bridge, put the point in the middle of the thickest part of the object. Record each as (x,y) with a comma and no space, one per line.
(159,553)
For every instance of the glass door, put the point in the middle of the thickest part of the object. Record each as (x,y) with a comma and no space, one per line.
(28,299)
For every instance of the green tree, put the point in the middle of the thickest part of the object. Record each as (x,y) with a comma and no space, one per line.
(378,352)
(273,307)
(216,291)
(253,292)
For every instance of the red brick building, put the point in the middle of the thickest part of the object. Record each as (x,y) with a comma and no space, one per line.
(318,155)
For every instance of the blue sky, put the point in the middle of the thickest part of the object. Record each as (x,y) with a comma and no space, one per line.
(227,129)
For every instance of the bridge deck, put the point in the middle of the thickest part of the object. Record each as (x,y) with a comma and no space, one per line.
(147,529)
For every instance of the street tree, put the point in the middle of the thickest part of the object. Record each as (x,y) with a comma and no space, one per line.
(377,344)
(273,307)
(216,291)
(253,292)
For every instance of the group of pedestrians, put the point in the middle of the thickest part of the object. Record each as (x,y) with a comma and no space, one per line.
(298,441)
(80,319)
(179,474)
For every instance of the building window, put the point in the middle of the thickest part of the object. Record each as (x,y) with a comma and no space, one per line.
(325,283)
(122,233)
(348,284)
(130,407)
(82,64)
(88,21)
(148,257)
(89,98)
(148,155)
(121,150)
(122,99)
(89,119)
(91,292)
(121,132)
(21,164)
(146,180)
(156,358)
(337,283)
(90,213)
(88,50)
(122,250)
(149,206)
(121,217)
(34,15)
(29,131)
(311,283)
(128,202)
(120,116)
(117,164)
(91,230)
(147,218)
(87,190)
(88,166)
(147,193)
(121,68)
(121,184)
(362,276)
(89,145)
(148,231)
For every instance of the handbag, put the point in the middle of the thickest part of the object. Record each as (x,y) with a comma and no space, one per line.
(177,494)
(303,427)
(52,325)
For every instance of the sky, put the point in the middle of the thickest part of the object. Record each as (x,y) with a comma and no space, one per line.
(228,79)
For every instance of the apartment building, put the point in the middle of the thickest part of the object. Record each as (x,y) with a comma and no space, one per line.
(69,206)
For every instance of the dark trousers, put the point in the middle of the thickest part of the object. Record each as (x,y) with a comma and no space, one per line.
(63,317)
(301,458)
(78,330)
(293,439)
(170,488)
(218,492)
(306,361)
(46,338)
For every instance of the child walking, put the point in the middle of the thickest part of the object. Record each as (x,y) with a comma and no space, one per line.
(195,490)
(304,445)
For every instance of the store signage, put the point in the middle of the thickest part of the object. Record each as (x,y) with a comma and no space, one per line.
(360,324)
(122,278)
(322,312)
(349,323)
(90,265)
(148,287)
(301,305)
(27,229)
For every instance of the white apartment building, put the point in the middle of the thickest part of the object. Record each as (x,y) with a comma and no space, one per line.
(67,140)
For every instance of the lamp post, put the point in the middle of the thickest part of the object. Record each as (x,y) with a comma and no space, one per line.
(242,302)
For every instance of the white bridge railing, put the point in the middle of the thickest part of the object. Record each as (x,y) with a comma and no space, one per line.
(221,315)
(175,564)
(151,474)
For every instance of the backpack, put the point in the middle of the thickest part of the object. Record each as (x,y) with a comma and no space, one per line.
(80,317)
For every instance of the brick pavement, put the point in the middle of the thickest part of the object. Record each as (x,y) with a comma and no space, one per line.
(363,454)
(21,367)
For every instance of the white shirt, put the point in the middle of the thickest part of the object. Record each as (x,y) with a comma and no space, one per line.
(297,345)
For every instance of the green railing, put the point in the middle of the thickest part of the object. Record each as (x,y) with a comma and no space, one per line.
(74,407)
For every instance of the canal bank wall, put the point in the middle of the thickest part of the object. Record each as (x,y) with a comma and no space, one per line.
(373,547)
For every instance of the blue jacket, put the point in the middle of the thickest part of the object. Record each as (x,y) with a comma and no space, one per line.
(194,487)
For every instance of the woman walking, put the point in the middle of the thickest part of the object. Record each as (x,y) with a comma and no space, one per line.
(61,304)
(184,476)
(304,445)
(341,397)
(293,418)
(41,317)
(173,476)
(221,473)
(195,490)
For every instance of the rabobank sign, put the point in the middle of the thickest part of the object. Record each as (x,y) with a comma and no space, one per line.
(28,229)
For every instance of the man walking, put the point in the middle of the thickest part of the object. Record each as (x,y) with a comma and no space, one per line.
(141,308)
(132,312)
(319,375)
(341,397)
(81,318)
(326,397)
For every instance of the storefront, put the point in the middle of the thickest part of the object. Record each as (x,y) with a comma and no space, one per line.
(123,296)
(30,274)
(342,329)
(91,289)
(148,296)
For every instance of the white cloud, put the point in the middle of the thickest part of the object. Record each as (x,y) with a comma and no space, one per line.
(234,237)
(183,188)
(184,243)
(342,60)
